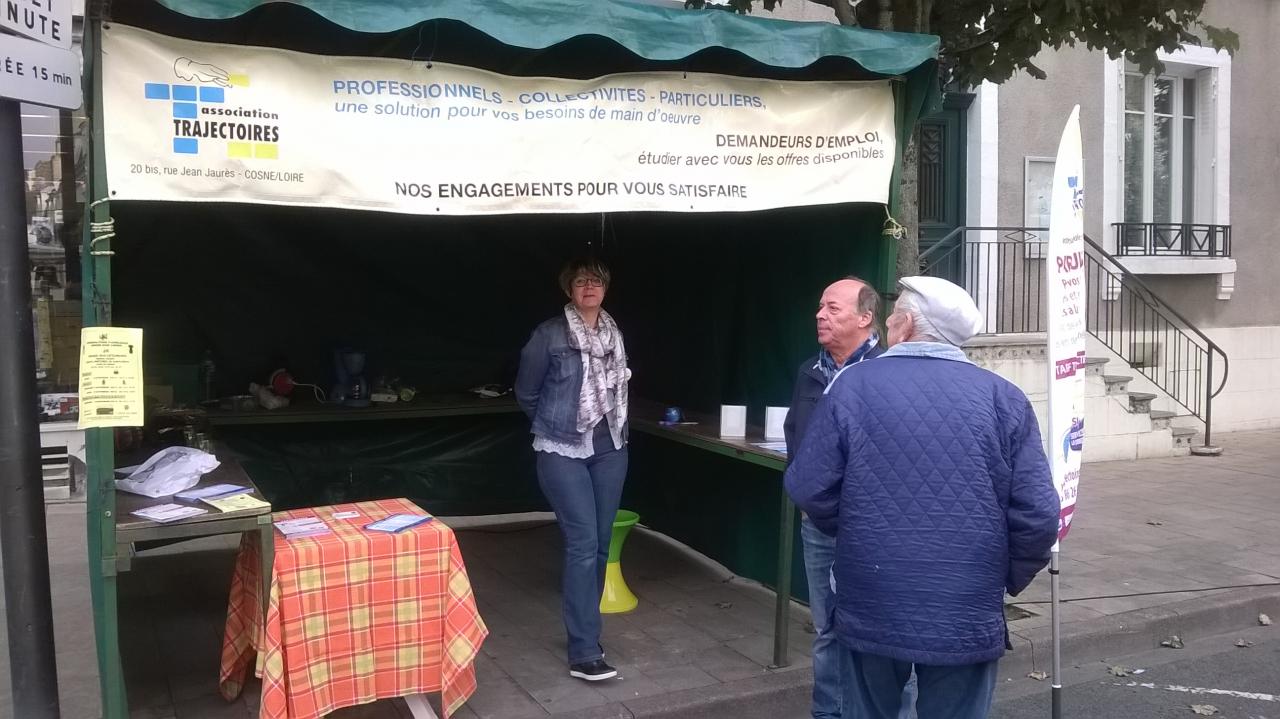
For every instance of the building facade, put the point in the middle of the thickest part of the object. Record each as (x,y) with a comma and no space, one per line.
(1181,176)
(1181,172)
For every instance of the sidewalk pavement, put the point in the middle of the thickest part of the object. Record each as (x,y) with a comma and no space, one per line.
(1153,546)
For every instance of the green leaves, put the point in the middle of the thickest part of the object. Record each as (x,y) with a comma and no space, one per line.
(1221,38)
(741,7)
(994,39)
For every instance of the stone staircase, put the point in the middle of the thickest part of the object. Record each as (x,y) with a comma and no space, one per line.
(1131,428)
(1120,419)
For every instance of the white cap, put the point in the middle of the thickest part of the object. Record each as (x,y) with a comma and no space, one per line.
(946,305)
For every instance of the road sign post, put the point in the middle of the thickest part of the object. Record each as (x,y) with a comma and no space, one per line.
(44,71)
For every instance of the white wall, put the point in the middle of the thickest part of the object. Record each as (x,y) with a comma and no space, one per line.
(1251,398)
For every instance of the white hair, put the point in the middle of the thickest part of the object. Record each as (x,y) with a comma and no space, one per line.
(922,329)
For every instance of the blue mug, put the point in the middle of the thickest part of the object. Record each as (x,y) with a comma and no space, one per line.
(672,415)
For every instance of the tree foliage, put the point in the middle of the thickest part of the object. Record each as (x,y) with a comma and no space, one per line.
(993,39)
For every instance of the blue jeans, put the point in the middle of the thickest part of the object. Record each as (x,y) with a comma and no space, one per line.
(584,493)
(819,555)
(874,688)
(828,662)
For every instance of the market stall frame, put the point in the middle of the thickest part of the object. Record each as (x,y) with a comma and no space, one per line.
(683,33)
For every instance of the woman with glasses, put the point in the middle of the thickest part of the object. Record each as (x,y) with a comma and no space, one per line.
(572,384)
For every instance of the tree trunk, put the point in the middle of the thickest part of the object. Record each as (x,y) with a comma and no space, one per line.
(909,210)
(845,13)
(907,16)
(886,15)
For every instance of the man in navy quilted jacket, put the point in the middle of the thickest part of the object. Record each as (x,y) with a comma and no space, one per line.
(930,473)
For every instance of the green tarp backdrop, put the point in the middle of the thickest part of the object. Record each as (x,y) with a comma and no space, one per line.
(715,308)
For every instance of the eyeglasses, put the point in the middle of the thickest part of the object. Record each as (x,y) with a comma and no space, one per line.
(588,282)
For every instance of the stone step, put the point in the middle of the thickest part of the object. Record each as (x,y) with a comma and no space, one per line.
(1184,438)
(1162,419)
(1117,383)
(1095,365)
(1140,402)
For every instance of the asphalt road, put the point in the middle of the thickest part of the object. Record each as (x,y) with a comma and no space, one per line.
(1241,683)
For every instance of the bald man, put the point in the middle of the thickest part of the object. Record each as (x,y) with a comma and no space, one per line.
(846,323)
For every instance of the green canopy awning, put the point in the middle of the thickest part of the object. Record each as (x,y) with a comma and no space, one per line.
(651,31)
(568,38)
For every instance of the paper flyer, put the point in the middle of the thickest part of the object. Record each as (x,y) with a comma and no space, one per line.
(111,378)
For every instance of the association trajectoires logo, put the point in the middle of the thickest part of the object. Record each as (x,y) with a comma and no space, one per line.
(207,112)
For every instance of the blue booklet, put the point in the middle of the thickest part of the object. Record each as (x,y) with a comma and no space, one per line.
(398,522)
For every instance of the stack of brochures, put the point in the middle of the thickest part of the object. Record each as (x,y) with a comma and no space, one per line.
(304,527)
(164,513)
(212,491)
(239,502)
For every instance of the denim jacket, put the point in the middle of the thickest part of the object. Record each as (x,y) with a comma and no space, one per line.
(937,350)
(549,382)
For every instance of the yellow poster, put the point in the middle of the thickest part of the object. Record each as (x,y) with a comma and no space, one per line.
(110,377)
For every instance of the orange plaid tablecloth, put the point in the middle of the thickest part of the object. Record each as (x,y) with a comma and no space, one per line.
(354,616)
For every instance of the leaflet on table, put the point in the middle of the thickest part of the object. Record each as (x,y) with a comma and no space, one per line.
(169,512)
(235,502)
(303,527)
(772,446)
(212,491)
(398,522)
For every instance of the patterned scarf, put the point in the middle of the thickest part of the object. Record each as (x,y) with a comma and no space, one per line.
(604,368)
(827,363)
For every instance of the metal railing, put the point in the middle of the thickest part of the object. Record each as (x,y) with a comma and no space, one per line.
(1002,267)
(1157,239)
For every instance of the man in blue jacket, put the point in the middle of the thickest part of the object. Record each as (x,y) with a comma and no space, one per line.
(930,473)
(846,328)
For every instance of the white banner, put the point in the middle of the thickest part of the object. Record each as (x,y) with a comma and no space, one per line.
(1065,283)
(187,120)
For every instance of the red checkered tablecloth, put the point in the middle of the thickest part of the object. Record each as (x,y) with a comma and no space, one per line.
(354,616)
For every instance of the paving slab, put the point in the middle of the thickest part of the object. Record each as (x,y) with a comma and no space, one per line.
(1186,545)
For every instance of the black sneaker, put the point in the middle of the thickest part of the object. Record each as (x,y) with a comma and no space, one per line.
(593,671)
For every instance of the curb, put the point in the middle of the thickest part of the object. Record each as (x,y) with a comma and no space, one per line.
(774,694)
(782,693)
(1140,630)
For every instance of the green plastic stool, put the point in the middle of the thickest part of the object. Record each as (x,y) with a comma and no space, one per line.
(617,597)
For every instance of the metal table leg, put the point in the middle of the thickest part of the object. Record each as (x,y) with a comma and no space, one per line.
(782,617)
(266,556)
(419,707)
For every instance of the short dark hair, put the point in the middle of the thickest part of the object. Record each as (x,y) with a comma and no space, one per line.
(583,266)
(868,298)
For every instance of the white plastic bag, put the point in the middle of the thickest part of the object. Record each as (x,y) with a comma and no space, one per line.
(168,472)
